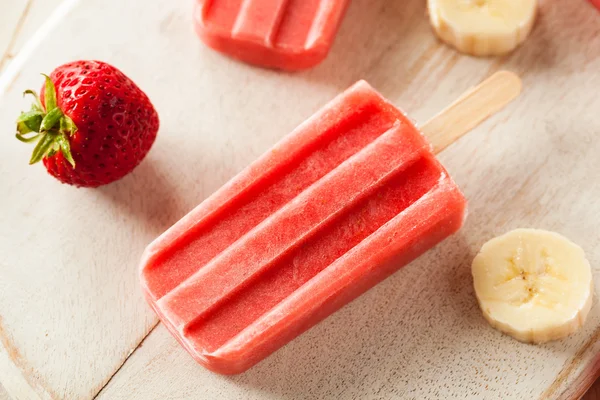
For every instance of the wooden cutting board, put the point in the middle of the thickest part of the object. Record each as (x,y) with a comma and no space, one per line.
(73,323)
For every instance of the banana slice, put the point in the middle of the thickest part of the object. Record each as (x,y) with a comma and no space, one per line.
(482,27)
(534,285)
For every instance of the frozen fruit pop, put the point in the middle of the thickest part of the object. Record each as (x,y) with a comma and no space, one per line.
(284,34)
(349,197)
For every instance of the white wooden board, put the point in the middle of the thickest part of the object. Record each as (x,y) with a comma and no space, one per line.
(70,307)
(3,394)
(18,21)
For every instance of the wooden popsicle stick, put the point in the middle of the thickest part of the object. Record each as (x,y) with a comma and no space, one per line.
(472,108)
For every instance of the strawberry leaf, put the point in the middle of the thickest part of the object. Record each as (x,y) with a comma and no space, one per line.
(65,148)
(51,119)
(22,128)
(34,123)
(37,105)
(42,147)
(48,125)
(67,126)
(26,139)
(27,115)
(49,94)
(30,121)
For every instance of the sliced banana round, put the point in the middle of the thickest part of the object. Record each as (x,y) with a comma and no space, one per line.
(534,285)
(482,27)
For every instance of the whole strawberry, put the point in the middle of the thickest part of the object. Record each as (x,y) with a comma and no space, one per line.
(93,125)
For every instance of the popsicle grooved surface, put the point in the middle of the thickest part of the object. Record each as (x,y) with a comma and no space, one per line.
(222,17)
(260,20)
(320,26)
(284,24)
(295,25)
(312,210)
(313,255)
(285,34)
(246,210)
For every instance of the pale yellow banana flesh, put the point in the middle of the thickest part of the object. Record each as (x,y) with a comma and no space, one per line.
(482,27)
(534,285)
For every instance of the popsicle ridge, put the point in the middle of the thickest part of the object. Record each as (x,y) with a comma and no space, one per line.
(315,148)
(320,26)
(310,212)
(219,20)
(259,21)
(303,18)
(314,254)
(431,218)
(303,21)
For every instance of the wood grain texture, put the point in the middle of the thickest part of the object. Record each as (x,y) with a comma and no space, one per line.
(11,26)
(3,394)
(18,21)
(70,305)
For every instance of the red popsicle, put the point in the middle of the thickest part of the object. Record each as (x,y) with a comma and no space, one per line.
(349,197)
(284,34)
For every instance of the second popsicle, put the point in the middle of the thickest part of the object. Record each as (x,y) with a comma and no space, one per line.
(283,34)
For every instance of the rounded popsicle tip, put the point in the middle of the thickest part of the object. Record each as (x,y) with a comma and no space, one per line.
(472,108)
(224,364)
(511,81)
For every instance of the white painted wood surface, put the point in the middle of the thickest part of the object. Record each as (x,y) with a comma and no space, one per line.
(70,307)
(3,394)
(19,19)
(14,15)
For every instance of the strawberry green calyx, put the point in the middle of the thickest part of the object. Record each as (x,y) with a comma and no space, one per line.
(47,125)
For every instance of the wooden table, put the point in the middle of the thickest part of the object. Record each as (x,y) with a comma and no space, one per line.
(20,19)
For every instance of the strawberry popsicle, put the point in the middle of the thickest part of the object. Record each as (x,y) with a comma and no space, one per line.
(285,34)
(349,197)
